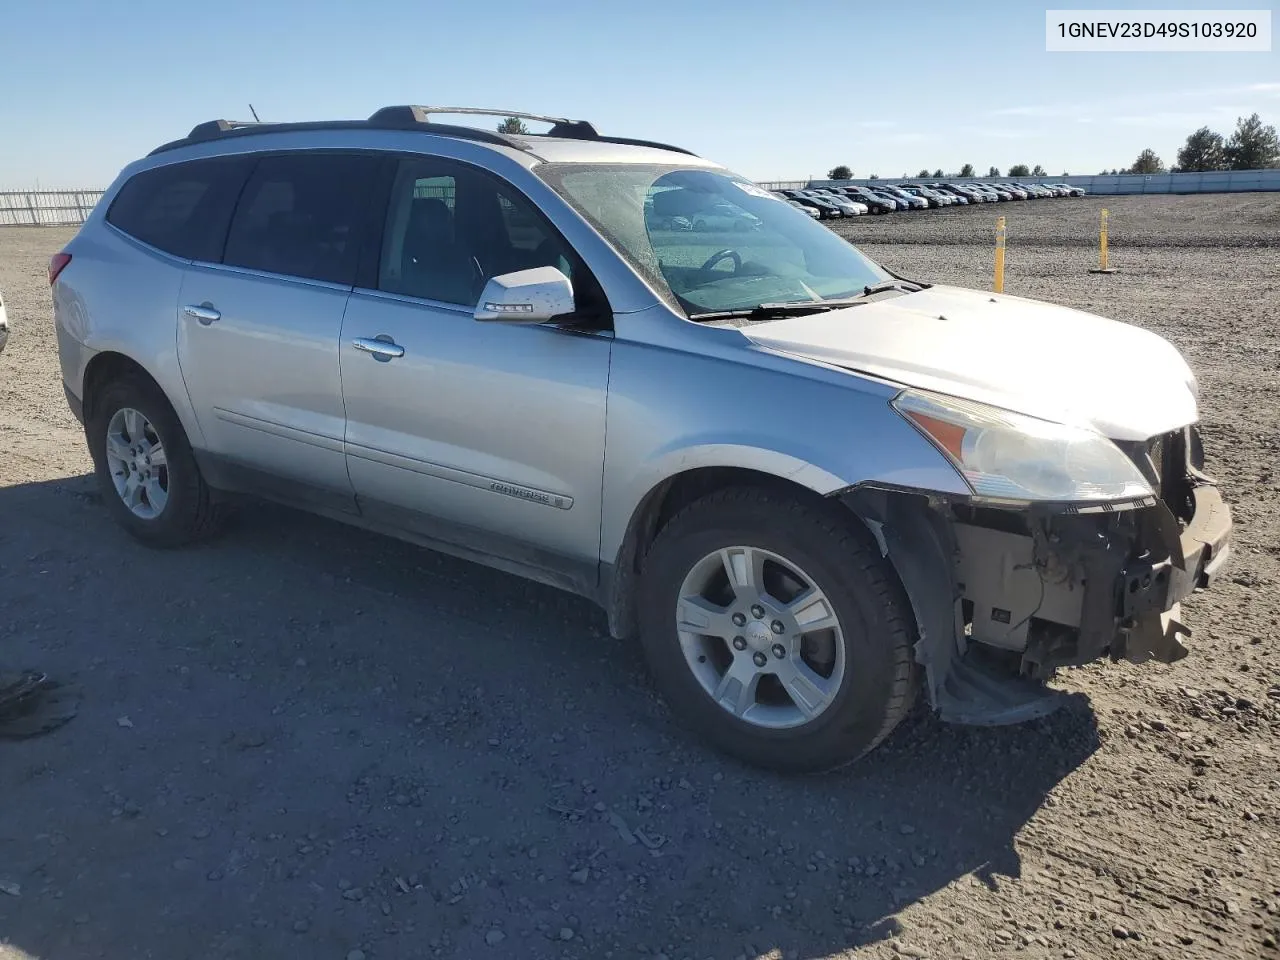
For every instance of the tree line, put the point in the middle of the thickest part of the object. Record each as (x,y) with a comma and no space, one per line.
(1253,146)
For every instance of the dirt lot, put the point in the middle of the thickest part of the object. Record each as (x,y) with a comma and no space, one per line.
(303,741)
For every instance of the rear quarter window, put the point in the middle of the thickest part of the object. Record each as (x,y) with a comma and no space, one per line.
(182,208)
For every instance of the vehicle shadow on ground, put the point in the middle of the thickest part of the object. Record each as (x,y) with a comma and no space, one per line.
(408,700)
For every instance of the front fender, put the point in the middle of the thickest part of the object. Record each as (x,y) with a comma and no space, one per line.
(671,412)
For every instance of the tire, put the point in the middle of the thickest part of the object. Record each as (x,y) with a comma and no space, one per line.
(875,635)
(189,512)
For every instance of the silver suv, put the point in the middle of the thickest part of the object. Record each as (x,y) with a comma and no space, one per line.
(809,485)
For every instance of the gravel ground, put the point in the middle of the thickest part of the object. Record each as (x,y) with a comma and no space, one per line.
(302,740)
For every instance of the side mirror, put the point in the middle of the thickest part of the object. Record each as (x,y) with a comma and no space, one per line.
(526,296)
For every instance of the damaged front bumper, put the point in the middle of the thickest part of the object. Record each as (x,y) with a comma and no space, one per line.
(1004,596)
(1152,590)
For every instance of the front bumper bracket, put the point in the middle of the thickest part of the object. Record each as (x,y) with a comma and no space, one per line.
(1152,592)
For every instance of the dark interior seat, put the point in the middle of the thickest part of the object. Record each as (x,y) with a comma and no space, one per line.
(433,264)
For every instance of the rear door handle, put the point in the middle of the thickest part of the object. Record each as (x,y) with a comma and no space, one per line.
(382,349)
(203,312)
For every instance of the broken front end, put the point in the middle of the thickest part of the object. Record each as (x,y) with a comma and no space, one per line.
(1004,595)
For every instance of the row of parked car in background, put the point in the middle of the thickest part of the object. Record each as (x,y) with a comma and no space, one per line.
(854,200)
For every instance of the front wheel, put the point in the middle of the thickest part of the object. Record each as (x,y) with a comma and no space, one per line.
(776,630)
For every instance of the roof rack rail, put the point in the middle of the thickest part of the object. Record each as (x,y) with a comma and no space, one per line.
(219,129)
(413,115)
(411,118)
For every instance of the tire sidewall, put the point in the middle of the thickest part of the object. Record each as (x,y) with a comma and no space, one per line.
(857,715)
(171,526)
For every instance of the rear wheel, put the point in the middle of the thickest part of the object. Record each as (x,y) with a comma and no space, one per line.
(145,468)
(776,630)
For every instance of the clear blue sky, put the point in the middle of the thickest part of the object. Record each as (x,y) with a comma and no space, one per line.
(773,90)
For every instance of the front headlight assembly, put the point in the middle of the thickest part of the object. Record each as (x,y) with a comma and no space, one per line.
(1008,456)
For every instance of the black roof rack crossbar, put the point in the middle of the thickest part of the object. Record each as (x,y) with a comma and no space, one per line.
(560,126)
(414,118)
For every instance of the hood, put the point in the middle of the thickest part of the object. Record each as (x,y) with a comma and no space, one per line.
(1036,358)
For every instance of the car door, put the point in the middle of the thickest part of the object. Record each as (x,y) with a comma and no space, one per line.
(258,332)
(486,437)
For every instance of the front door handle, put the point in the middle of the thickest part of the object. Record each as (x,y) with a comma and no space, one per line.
(203,312)
(382,347)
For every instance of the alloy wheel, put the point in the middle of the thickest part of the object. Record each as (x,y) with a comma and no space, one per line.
(137,463)
(762,639)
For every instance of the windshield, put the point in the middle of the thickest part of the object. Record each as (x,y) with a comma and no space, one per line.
(709,240)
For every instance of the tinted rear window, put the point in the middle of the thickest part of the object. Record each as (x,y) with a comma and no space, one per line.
(182,208)
(302,215)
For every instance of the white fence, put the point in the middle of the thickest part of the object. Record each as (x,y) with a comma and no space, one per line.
(46,208)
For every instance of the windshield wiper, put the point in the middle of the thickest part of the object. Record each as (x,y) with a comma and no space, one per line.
(799,308)
(906,286)
(771,311)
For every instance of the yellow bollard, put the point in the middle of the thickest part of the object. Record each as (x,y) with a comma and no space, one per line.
(1102,246)
(998,286)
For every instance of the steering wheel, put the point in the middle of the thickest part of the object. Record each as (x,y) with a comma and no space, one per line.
(725,254)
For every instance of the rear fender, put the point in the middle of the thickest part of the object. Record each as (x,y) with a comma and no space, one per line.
(118,296)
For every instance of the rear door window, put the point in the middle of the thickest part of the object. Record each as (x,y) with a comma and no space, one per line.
(182,208)
(302,215)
